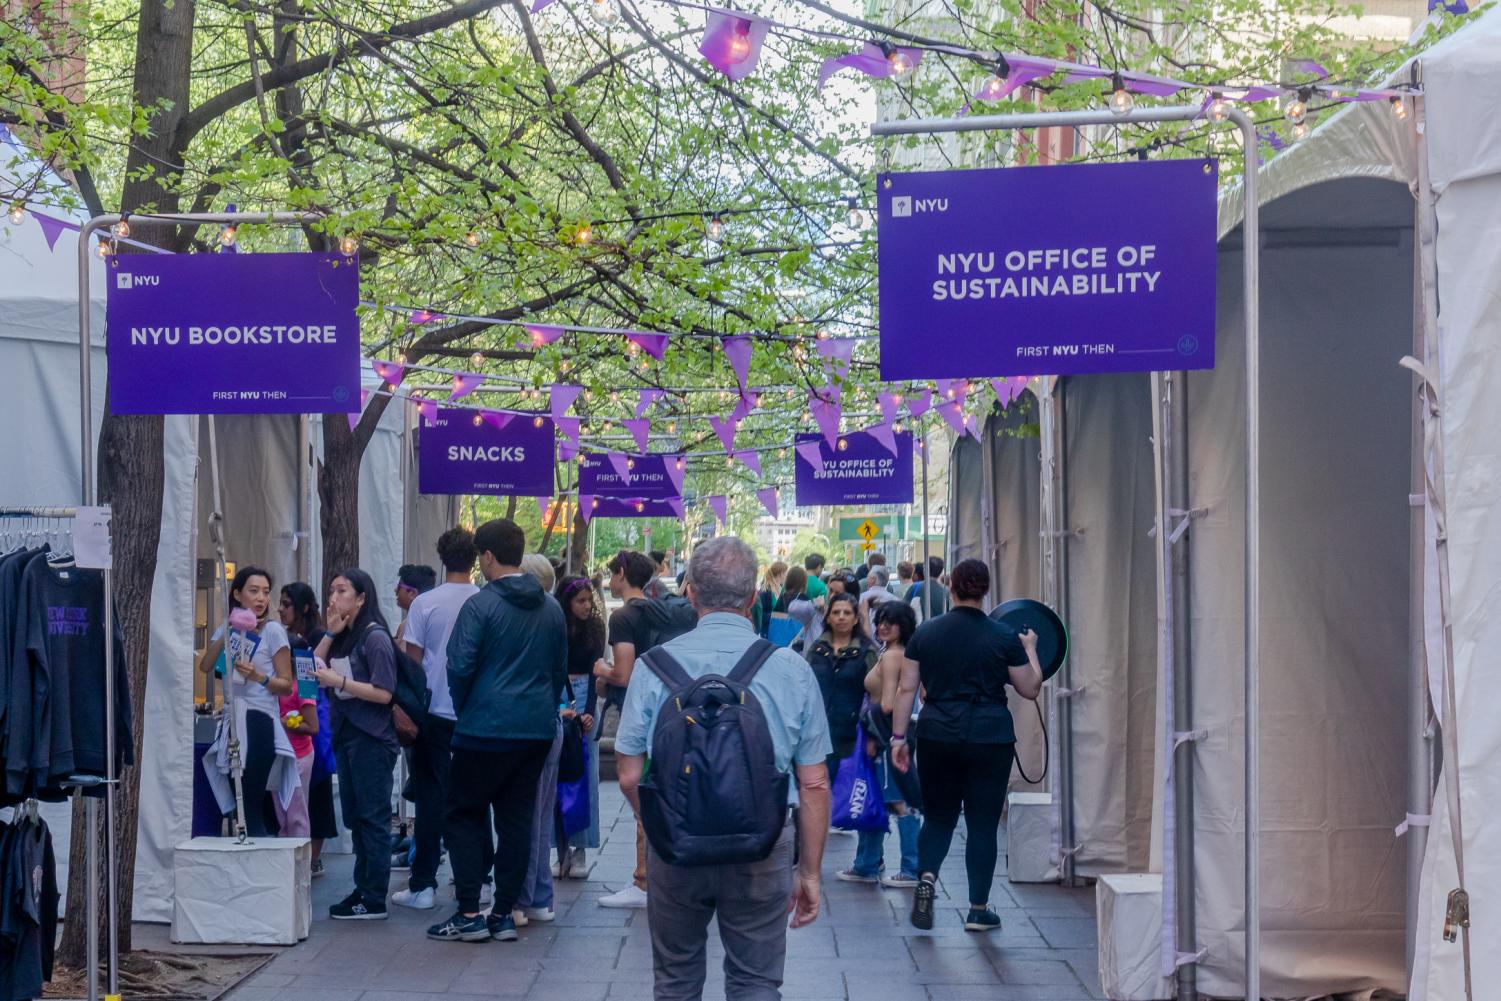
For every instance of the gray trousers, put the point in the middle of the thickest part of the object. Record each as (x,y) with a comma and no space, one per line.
(751,904)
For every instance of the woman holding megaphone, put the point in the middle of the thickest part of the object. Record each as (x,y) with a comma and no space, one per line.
(965,738)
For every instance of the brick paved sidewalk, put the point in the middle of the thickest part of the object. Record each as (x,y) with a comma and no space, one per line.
(861,947)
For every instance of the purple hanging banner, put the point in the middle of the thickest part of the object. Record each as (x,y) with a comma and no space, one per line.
(860,472)
(650,477)
(233,333)
(1054,270)
(457,456)
(635,507)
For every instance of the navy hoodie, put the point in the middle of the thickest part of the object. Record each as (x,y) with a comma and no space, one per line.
(507,662)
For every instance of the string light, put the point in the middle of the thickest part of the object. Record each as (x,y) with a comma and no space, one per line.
(563,366)
(897,427)
(479,419)
(994,87)
(1298,110)
(672,428)
(585,232)
(1399,108)
(900,63)
(472,238)
(603,12)
(614,395)
(349,245)
(1219,108)
(477,358)
(716,227)
(401,359)
(229,234)
(121,229)
(781,453)
(1121,101)
(679,463)
(538,421)
(640,506)
(17,213)
(855,216)
(104,249)
(844,444)
(1300,132)
(630,463)
(740,47)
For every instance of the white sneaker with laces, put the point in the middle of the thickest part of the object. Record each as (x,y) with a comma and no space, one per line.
(541,915)
(486,895)
(630,896)
(420,900)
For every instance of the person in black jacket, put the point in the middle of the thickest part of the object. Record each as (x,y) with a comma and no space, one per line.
(840,659)
(507,664)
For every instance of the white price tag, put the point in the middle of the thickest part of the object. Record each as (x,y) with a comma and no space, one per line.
(91,541)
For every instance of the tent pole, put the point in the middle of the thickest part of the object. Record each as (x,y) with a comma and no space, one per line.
(927,581)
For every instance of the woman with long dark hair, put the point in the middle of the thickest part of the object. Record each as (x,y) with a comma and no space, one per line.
(358,663)
(584,614)
(796,603)
(840,659)
(304,625)
(268,761)
(963,660)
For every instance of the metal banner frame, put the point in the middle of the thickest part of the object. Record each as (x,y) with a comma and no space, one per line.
(1252,610)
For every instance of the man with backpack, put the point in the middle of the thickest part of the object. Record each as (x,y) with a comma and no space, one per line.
(747,713)
(507,665)
(635,627)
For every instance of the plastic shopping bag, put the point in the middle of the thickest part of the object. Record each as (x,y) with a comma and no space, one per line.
(857,801)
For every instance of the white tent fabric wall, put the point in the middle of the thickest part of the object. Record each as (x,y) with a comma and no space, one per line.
(258,489)
(1335,443)
(966,535)
(1016,562)
(1110,491)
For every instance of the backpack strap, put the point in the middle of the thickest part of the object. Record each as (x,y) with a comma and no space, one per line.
(751,661)
(665,667)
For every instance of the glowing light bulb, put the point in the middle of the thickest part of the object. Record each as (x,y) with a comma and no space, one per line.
(401,359)
(614,395)
(781,453)
(1300,132)
(1399,109)
(716,227)
(844,444)
(640,506)
(538,421)
(729,462)
(477,358)
(104,249)
(1298,110)
(1121,101)
(229,234)
(563,366)
(588,394)
(17,214)
(537,339)
(583,235)
(593,502)
(679,463)
(823,334)
(855,217)
(349,245)
(897,427)
(472,238)
(121,229)
(479,419)
(740,47)
(899,62)
(1219,108)
(603,12)
(672,427)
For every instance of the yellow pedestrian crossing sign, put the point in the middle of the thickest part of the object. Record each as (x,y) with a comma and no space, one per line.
(868,530)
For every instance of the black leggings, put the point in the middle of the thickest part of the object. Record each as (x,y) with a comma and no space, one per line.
(260,755)
(968,777)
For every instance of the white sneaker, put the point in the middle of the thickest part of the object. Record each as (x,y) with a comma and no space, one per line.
(420,900)
(578,868)
(630,896)
(518,917)
(541,915)
(486,895)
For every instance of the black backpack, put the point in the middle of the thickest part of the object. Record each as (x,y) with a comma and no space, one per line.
(713,795)
(412,696)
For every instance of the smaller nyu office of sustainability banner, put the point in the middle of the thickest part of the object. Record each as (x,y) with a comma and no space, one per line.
(457,456)
(1047,270)
(860,472)
(233,333)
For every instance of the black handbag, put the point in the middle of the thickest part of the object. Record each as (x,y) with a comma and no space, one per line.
(571,756)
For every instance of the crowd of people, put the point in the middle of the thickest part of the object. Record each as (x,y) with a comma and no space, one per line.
(494,695)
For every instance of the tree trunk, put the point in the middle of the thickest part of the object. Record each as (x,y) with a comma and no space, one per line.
(339,494)
(130,450)
(579,543)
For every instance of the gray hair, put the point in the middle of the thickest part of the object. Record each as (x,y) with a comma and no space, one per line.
(880,575)
(540,567)
(722,573)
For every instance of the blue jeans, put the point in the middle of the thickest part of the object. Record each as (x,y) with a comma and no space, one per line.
(870,850)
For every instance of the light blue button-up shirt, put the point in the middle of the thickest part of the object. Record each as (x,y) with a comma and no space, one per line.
(784,686)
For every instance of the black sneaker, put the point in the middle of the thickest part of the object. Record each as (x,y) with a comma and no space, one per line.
(317,868)
(501,929)
(357,910)
(922,902)
(982,919)
(460,928)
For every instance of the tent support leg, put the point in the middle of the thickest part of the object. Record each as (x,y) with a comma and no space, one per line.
(1175,461)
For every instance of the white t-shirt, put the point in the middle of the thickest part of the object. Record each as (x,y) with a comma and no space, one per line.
(273,638)
(429,622)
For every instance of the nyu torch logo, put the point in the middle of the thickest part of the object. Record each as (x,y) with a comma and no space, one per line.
(905,205)
(125,280)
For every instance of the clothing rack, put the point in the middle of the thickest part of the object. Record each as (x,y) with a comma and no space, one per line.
(110,780)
